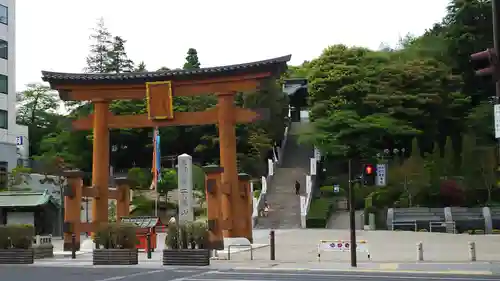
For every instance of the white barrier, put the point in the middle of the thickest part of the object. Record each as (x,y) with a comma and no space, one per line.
(341,246)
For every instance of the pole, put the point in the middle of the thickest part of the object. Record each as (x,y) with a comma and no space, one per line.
(157,167)
(156,201)
(495,6)
(73,246)
(352,218)
(272,244)
(60,209)
(148,241)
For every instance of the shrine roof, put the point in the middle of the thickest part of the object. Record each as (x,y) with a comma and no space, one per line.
(273,65)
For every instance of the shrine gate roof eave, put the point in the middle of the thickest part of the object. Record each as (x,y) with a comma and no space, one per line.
(274,65)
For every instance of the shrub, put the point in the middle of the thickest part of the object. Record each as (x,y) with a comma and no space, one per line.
(256,193)
(319,213)
(18,236)
(188,236)
(366,214)
(172,239)
(200,212)
(257,185)
(4,237)
(200,235)
(117,236)
(328,191)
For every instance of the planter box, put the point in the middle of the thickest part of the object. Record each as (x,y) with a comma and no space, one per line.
(43,251)
(189,257)
(17,256)
(115,257)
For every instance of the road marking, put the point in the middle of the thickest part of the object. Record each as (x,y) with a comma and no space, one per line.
(194,276)
(389,266)
(153,272)
(348,270)
(132,275)
(353,274)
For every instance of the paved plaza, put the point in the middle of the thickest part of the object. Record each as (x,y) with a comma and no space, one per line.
(393,258)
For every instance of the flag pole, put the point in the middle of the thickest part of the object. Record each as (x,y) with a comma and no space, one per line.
(158,168)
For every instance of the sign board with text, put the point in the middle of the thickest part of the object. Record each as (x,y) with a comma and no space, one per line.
(381,179)
(496,113)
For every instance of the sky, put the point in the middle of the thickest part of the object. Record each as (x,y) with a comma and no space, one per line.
(54,34)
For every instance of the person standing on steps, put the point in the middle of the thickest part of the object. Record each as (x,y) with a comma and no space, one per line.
(297,187)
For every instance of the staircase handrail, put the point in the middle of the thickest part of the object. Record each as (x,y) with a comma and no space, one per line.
(314,189)
(281,148)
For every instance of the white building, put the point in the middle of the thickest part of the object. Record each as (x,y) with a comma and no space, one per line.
(13,137)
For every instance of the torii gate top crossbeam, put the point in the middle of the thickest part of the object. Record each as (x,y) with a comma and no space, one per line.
(116,86)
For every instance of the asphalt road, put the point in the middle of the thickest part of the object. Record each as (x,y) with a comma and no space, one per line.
(29,273)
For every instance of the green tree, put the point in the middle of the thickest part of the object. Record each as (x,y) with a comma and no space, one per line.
(167,183)
(98,60)
(192,61)
(38,106)
(141,67)
(118,58)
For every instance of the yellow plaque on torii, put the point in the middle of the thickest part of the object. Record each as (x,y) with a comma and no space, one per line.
(159,100)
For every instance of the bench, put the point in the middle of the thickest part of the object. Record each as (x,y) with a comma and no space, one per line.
(237,242)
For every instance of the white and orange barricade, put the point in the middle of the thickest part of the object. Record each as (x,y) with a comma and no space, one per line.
(341,246)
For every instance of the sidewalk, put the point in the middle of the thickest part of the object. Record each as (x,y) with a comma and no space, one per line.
(428,268)
(300,245)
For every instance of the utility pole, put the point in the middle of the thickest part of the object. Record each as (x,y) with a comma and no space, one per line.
(352,218)
(495,6)
(491,55)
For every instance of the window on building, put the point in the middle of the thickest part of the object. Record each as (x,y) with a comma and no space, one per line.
(3,119)
(4,14)
(4,84)
(4,49)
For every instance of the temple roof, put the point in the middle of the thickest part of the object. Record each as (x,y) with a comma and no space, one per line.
(25,199)
(274,65)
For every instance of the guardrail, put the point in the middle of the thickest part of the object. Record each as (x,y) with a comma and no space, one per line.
(408,223)
(449,227)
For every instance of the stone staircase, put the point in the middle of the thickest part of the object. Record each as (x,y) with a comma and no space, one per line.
(283,202)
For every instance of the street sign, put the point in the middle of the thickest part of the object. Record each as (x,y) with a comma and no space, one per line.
(19,140)
(381,175)
(336,188)
(317,154)
(496,113)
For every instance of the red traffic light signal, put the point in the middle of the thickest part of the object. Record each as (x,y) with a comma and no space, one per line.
(368,169)
(492,58)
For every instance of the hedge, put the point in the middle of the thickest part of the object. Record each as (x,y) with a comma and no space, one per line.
(327,191)
(319,213)
(256,193)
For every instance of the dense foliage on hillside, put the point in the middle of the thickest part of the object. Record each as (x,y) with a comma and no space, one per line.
(421,96)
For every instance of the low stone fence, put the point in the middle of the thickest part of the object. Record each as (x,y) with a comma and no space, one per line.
(43,247)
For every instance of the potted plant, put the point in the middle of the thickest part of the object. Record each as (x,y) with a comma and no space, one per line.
(186,245)
(116,245)
(16,244)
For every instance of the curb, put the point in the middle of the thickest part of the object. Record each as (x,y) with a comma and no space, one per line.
(440,272)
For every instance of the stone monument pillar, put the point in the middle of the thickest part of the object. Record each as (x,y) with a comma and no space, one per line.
(185,187)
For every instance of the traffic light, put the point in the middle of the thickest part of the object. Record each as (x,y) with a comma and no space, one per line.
(369,174)
(489,60)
